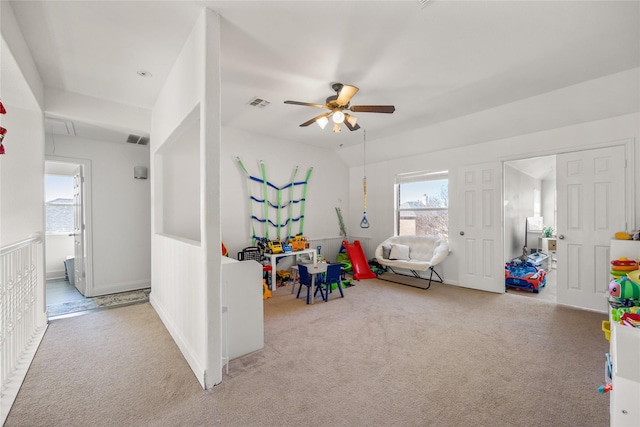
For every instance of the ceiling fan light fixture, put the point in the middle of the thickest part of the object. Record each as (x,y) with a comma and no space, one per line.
(337,128)
(322,121)
(338,117)
(351,119)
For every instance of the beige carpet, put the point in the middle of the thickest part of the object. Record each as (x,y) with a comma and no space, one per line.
(385,355)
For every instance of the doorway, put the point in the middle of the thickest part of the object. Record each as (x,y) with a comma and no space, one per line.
(593,187)
(68,248)
(530,219)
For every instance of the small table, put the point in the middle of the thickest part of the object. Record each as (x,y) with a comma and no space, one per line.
(274,258)
(313,270)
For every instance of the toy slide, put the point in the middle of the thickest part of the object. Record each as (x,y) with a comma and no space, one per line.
(361,269)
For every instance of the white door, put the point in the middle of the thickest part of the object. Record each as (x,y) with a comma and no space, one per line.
(591,208)
(78,232)
(480,197)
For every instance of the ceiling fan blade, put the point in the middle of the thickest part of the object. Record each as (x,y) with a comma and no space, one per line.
(308,122)
(305,104)
(346,93)
(351,128)
(350,122)
(372,108)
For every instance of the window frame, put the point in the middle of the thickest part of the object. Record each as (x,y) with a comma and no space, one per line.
(424,176)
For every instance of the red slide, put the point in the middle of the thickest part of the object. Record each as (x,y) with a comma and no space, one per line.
(361,269)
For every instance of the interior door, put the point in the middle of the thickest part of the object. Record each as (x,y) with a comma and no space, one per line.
(480,197)
(78,232)
(591,189)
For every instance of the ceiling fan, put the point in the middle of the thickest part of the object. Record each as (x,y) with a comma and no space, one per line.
(338,103)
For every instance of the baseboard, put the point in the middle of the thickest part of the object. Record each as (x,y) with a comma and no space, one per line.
(17,377)
(121,287)
(184,347)
(60,274)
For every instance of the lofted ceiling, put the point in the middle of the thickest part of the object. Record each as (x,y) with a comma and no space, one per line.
(434,60)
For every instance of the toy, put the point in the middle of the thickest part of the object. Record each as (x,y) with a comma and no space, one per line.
(298,243)
(623,235)
(617,313)
(625,287)
(623,261)
(274,247)
(605,388)
(283,276)
(617,274)
(619,267)
(266,293)
(343,259)
(524,275)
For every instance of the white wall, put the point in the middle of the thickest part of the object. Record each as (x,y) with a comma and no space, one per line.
(186,274)
(327,188)
(549,202)
(21,175)
(380,184)
(57,248)
(121,223)
(21,179)
(519,199)
(180,188)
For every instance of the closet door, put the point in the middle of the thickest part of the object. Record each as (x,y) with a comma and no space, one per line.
(591,208)
(480,198)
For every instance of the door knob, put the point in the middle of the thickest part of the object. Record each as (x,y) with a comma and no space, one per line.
(462,233)
(561,236)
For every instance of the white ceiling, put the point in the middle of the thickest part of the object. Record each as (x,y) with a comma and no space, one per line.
(434,61)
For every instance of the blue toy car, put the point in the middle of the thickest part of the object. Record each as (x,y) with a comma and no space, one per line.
(524,275)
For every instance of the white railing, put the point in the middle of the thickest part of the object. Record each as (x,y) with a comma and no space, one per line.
(22,315)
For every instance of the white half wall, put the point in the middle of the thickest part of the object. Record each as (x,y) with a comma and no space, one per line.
(192,312)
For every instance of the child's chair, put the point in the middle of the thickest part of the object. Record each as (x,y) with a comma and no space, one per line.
(333,276)
(305,280)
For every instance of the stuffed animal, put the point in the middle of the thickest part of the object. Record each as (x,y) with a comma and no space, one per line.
(624,288)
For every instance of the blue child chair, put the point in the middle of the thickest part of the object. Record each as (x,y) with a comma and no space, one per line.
(333,276)
(305,280)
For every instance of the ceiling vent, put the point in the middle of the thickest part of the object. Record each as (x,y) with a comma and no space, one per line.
(137,139)
(257,102)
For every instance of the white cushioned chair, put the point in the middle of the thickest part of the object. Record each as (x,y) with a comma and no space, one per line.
(414,253)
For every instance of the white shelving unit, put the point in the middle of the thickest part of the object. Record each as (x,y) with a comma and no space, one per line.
(625,377)
(625,357)
(242,308)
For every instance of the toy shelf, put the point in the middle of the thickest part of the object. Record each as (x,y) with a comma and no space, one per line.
(625,356)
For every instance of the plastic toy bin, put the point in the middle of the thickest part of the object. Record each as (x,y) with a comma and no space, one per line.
(606,328)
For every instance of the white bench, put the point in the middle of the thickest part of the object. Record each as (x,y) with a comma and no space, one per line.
(414,253)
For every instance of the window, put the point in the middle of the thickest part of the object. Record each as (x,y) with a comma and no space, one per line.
(422,206)
(58,203)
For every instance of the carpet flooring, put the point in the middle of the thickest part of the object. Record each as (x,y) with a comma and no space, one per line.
(385,355)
